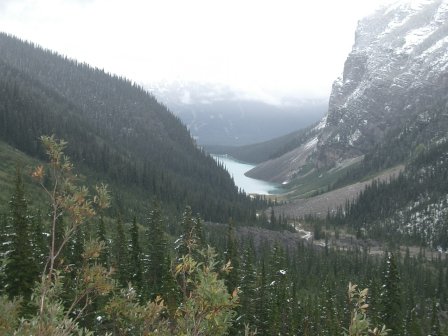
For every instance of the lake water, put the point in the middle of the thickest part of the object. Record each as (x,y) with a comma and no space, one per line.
(249,185)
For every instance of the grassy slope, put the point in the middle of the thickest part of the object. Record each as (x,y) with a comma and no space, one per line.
(10,158)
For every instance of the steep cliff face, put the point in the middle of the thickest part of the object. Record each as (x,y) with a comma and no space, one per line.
(398,67)
(396,72)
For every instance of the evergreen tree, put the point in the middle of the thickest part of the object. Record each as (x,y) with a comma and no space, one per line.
(39,243)
(262,300)
(159,278)
(76,248)
(21,271)
(188,238)
(120,254)
(248,287)
(232,258)
(135,257)
(199,233)
(435,323)
(5,248)
(101,236)
(391,300)
(278,292)
(272,219)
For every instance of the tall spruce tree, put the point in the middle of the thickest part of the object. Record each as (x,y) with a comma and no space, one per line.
(5,242)
(199,232)
(104,258)
(158,276)
(135,257)
(39,241)
(262,300)
(248,286)
(278,291)
(232,257)
(120,254)
(435,322)
(391,299)
(21,271)
(188,238)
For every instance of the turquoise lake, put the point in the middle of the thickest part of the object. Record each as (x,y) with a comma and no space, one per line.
(249,185)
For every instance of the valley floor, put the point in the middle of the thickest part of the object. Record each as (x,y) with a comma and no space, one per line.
(320,205)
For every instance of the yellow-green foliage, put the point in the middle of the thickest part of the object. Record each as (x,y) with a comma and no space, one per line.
(359,322)
(207,308)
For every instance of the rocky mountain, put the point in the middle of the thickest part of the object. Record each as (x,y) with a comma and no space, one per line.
(394,79)
(216,114)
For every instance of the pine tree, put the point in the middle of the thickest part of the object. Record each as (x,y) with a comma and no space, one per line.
(188,239)
(120,254)
(21,271)
(272,219)
(278,291)
(76,248)
(104,258)
(39,241)
(232,258)
(391,300)
(5,248)
(262,300)
(248,287)
(199,232)
(135,257)
(435,323)
(158,275)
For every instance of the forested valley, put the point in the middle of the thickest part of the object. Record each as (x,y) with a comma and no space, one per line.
(113,222)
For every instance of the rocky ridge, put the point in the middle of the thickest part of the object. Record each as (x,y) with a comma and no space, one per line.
(396,71)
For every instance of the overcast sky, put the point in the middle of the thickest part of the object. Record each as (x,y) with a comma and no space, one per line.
(283,47)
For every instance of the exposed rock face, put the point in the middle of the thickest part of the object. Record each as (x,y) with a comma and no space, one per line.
(397,69)
(398,66)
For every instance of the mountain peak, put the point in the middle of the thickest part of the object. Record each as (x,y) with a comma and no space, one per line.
(395,75)
(398,64)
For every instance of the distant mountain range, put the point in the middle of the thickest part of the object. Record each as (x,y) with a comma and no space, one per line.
(219,115)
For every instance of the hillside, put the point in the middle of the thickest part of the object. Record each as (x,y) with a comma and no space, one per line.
(10,160)
(263,151)
(115,129)
(411,208)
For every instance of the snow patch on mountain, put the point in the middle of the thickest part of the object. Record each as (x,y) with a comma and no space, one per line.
(355,136)
(399,60)
(322,124)
(311,143)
